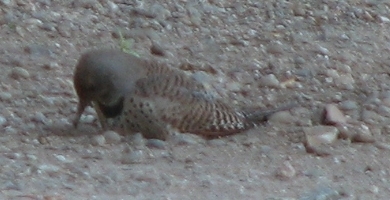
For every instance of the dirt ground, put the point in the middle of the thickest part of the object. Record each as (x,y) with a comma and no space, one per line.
(258,53)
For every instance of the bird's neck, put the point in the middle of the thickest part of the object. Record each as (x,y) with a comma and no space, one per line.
(112,110)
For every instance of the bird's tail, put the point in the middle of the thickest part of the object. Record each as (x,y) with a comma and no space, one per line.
(255,117)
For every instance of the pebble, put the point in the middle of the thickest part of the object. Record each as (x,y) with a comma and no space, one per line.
(185,139)
(269,80)
(217,142)
(283,117)
(98,140)
(136,140)
(89,119)
(275,48)
(382,145)
(286,171)
(40,117)
(349,105)
(5,96)
(318,135)
(156,144)
(132,157)
(383,19)
(298,9)
(345,81)
(333,115)
(322,50)
(18,72)
(112,137)
(157,49)
(49,168)
(51,66)
(3,120)
(363,134)
(113,6)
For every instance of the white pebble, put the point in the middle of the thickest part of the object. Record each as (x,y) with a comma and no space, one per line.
(112,137)
(4,96)
(98,140)
(317,135)
(3,120)
(19,72)
(89,119)
(133,157)
(269,81)
(286,170)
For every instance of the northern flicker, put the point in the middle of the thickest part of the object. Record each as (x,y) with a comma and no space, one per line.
(154,99)
(161,103)
(103,77)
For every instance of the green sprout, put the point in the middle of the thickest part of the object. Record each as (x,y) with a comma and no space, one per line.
(126,44)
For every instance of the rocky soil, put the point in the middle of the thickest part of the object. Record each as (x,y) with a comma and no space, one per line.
(329,55)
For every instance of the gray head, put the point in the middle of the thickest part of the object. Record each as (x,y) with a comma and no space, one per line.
(101,77)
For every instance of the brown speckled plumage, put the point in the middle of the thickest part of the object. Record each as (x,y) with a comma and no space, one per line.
(154,99)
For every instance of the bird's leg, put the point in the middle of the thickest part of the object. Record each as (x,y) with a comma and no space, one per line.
(101,118)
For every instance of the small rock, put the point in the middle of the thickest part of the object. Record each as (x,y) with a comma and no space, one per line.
(374,189)
(349,105)
(6,3)
(216,142)
(40,117)
(298,9)
(156,49)
(299,60)
(319,150)
(346,81)
(275,48)
(18,72)
(3,120)
(383,19)
(363,134)
(322,50)
(286,171)
(5,96)
(112,6)
(382,145)
(49,168)
(89,119)
(51,66)
(333,115)
(63,158)
(98,140)
(136,140)
(318,135)
(157,144)
(185,139)
(48,26)
(269,81)
(132,157)
(112,137)
(283,117)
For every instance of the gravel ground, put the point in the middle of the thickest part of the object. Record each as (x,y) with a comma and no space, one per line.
(330,55)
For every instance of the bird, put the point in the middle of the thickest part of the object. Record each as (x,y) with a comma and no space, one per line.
(155,99)
(160,104)
(102,77)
